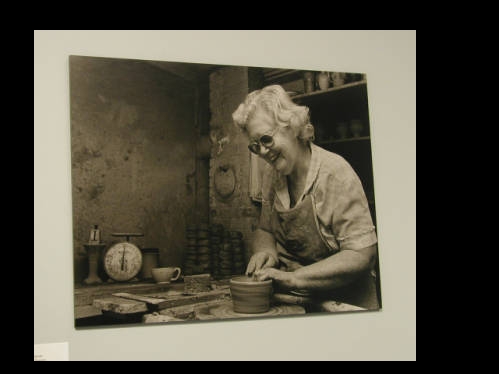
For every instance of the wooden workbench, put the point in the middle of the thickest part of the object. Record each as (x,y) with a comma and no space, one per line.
(148,302)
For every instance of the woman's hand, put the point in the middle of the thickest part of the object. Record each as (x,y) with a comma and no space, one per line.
(260,260)
(285,280)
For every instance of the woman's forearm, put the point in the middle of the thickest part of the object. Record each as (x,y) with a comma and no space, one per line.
(264,241)
(335,271)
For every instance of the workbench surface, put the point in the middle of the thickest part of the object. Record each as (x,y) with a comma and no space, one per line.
(148,302)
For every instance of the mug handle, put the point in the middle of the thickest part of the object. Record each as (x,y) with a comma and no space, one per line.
(178,271)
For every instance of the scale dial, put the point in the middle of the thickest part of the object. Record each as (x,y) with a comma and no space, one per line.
(123,261)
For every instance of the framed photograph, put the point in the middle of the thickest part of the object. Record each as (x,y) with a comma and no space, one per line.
(205,192)
(116,113)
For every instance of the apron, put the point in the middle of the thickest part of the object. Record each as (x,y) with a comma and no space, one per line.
(300,243)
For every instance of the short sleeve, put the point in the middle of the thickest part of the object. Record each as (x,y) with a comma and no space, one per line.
(351,220)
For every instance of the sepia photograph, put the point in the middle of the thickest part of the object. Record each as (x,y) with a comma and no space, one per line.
(208,192)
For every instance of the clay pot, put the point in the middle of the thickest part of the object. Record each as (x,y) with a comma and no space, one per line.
(249,295)
(356,127)
(338,78)
(342,130)
(323,80)
(308,81)
(150,260)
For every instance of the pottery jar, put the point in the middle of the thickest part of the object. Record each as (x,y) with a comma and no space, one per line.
(323,80)
(308,81)
(150,260)
(338,78)
(342,130)
(356,127)
(249,295)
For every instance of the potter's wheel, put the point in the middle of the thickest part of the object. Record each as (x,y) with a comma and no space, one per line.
(226,310)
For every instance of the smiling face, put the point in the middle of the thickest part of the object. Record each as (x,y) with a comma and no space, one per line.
(282,155)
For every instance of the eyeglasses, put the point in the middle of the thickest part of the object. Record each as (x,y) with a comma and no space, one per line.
(267,140)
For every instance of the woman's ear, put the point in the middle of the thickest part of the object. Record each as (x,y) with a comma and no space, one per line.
(307,132)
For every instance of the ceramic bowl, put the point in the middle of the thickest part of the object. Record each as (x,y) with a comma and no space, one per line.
(249,295)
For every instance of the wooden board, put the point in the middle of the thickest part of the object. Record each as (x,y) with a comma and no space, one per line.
(181,313)
(86,295)
(145,299)
(175,301)
(127,303)
(158,318)
(119,305)
(86,311)
(188,312)
(166,301)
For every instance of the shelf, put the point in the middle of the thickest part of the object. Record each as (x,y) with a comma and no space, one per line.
(274,74)
(328,142)
(333,89)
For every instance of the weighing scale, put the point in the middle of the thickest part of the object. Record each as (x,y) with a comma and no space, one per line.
(123,261)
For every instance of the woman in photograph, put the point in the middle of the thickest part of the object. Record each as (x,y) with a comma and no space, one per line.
(315,236)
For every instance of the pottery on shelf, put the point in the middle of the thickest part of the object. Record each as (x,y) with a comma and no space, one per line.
(323,80)
(338,78)
(308,81)
(342,130)
(356,127)
(150,260)
(250,295)
(353,77)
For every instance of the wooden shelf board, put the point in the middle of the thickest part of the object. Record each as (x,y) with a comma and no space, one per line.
(322,92)
(343,140)
(279,73)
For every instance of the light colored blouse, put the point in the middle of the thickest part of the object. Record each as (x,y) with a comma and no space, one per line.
(340,202)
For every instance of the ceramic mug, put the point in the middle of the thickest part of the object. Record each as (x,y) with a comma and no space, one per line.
(166,274)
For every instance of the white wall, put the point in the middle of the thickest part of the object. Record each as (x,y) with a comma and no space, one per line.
(388,58)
